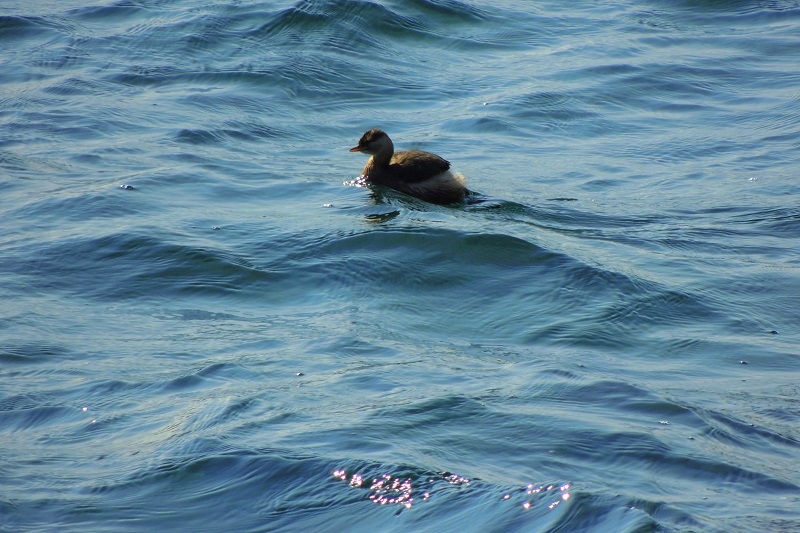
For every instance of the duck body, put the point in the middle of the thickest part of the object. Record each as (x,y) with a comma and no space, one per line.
(420,174)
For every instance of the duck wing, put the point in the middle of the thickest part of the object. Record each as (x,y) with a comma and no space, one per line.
(415,165)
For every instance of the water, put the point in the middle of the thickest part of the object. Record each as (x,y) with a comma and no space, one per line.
(205,329)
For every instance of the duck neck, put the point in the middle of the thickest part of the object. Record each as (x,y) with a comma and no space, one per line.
(382,157)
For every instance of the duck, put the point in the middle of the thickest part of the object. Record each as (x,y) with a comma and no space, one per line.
(420,174)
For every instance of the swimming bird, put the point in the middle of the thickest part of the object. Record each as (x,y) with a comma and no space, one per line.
(420,174)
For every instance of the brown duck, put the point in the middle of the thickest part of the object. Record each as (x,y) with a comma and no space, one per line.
(420,174)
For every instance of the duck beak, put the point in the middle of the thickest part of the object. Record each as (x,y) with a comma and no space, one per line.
(355,149)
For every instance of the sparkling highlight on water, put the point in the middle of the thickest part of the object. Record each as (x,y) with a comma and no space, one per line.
(388,489)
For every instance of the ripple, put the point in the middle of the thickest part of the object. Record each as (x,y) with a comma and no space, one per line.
(122,265)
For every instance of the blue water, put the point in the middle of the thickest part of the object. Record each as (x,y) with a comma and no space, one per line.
(204,326)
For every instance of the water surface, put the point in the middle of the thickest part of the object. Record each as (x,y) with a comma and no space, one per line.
(204,327)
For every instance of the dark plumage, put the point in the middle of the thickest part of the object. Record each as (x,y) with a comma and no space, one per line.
(421,174)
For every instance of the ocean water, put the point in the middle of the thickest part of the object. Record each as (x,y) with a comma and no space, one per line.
(204,326)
